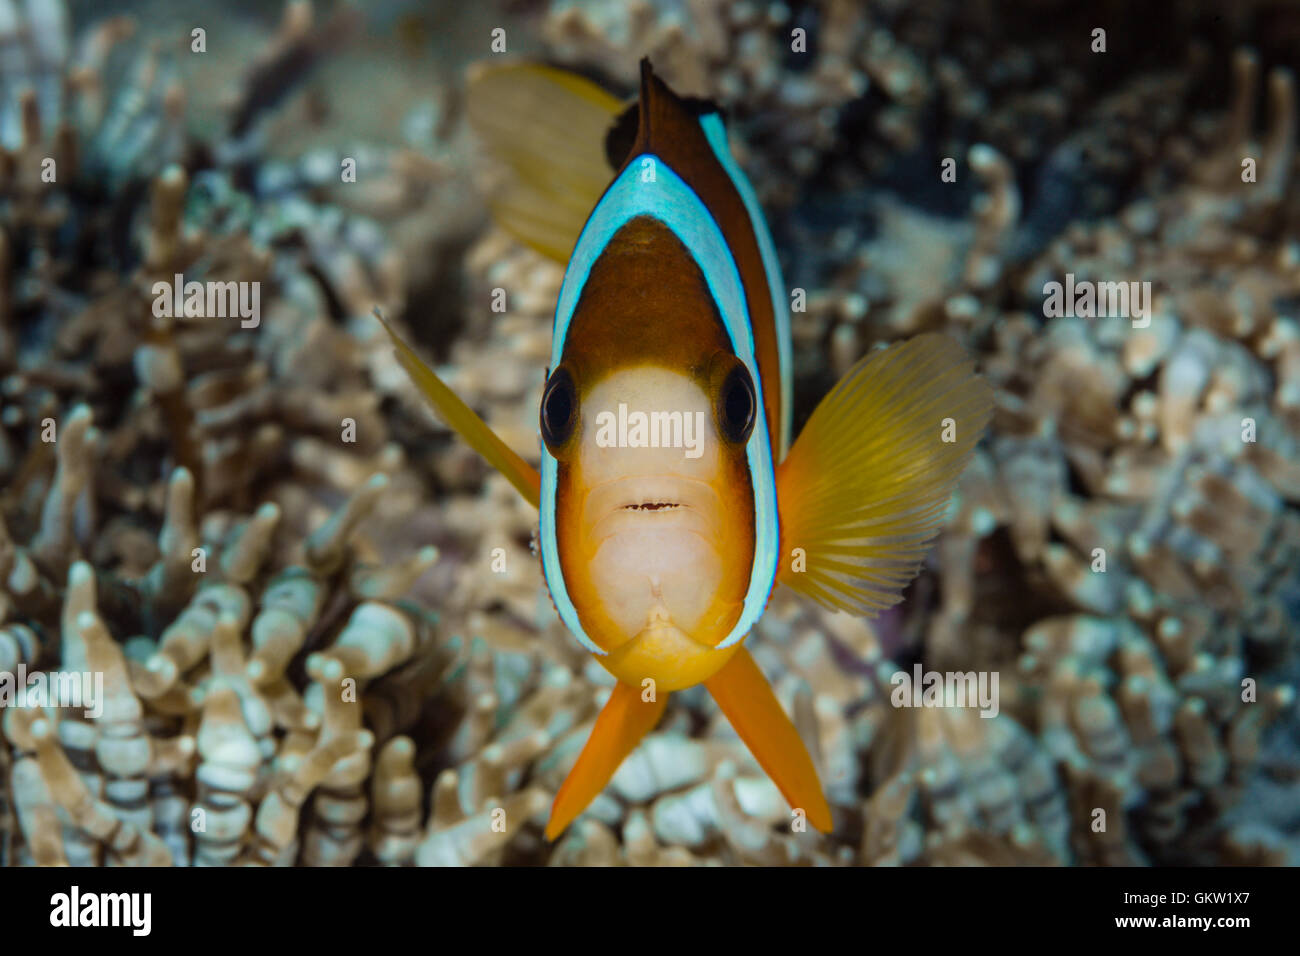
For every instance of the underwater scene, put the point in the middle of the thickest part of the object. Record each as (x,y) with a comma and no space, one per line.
(649,432)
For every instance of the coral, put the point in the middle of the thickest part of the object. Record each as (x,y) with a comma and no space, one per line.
(322,630)
(1149,472)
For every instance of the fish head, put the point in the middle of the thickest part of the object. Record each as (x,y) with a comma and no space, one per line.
(654,510)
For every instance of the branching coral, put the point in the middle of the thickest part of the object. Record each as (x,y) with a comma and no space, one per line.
(247,530)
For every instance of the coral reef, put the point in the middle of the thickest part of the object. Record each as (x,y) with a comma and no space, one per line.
(322,633)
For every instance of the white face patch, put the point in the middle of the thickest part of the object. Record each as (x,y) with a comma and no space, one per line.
(648,420)
(652,515)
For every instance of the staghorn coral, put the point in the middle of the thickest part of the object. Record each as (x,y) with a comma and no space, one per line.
(1150,491)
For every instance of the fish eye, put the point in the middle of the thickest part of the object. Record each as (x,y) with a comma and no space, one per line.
(559,412)
(737,404)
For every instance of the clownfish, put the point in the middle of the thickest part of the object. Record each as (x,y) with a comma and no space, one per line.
(660,548)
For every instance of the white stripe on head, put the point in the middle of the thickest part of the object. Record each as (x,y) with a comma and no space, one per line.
(716,134)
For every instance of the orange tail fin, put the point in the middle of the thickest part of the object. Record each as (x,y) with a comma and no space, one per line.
(745,697)
(623,721)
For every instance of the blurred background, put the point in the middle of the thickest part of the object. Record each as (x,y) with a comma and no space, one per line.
(231,521)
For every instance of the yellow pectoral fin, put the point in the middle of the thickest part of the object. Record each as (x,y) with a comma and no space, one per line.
(468,425)
(546,129)
(745,697)
(864,489)
(623,721)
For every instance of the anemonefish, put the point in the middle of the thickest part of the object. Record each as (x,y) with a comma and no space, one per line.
(673,314)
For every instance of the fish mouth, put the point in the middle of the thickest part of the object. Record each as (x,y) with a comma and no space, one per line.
(627,504)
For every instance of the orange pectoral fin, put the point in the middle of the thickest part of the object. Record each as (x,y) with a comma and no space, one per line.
(745,697)
(464,422)
(864,490)
(623,721)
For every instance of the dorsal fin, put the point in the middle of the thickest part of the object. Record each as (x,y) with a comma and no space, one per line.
(622,135)
(667,124)
(545,128)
